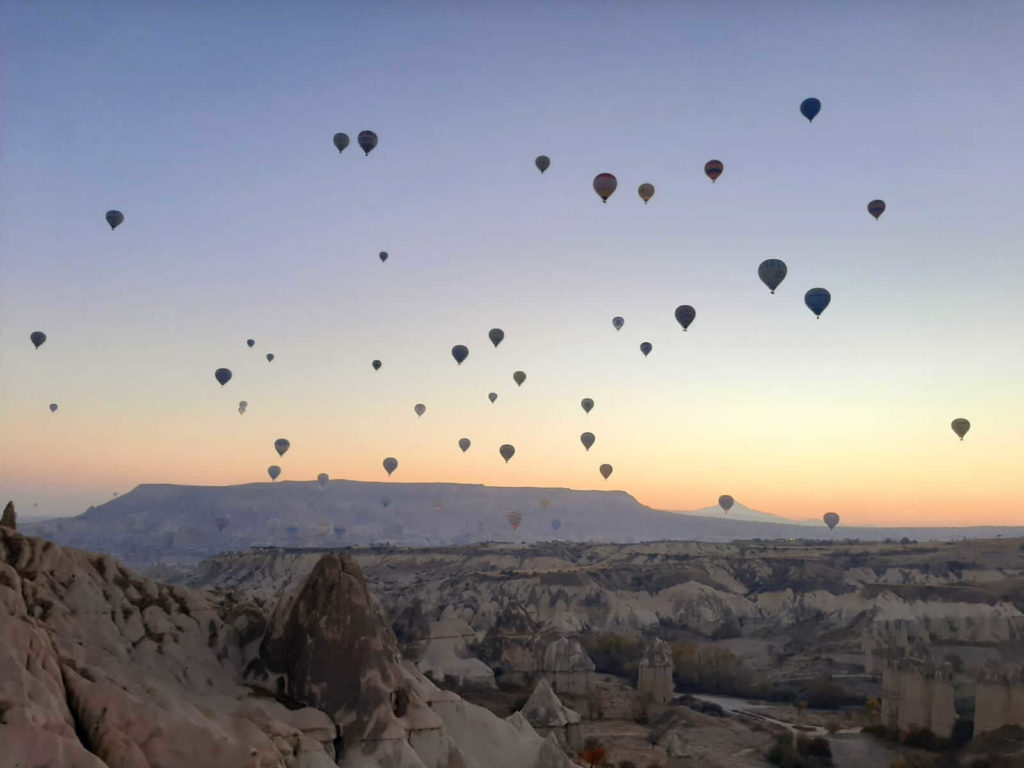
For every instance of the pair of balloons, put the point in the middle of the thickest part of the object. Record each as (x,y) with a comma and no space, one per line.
(367,141)
(605,185)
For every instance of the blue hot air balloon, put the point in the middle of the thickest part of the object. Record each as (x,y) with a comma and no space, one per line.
(817,299)
(810,108)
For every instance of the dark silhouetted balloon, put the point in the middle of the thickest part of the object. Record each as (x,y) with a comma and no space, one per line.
(464,444)
(810,108)
(114,219)
(37,338)
(646,347)
(376,365)
(507,452)
(460,352)
(492,396)
(817,299)
(543,162)
(604,185)
(519,377)
(274,471)
(420,409)
(367,140)
(496,335)
(960,426)
(53,407)
(242,405)
(251,343)
(385,501)
(223,375)
(556,524)
(685,315)
(646,192)
(270,357)
(876,208)
(831,520)
(587,438)
(281,446)
(605,470)
(221,520)
(617,323)
(323,479)
(725,502)
(390,464)
(383,256)
(772,272)
(341,141)
(713,169)
(587,404)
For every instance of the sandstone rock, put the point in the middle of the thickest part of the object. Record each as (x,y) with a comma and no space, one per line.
(9,518)
(547,715)
(568,666)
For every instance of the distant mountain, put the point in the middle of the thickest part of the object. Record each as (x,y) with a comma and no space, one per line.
(178,523)
(740,512)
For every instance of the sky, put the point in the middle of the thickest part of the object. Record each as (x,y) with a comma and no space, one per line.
(210,126)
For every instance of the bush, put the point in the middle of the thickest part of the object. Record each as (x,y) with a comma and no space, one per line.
(614,654)
(825,693)
(711,669)
(925,739)
(801,753)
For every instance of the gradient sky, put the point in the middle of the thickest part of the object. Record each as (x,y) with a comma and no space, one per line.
(209,125)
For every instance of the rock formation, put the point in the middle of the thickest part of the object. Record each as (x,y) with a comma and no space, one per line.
(568,666)
(447,656)
(547,714)
(9,519)
(654,674)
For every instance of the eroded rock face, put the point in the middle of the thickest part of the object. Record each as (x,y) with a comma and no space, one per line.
(9,519)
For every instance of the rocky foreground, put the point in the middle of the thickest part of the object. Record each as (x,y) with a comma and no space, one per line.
(102,667)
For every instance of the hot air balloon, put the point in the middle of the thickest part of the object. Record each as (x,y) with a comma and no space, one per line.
(646,347)
(605,470)
(685,315)
(367,140)
(383,255)
(496,335)
(492,396)
(519,377)
(772,272)
(221,520)
(242,405)
(556,524)
(251,343)
(223,375)
(604,185)
(544,503)
(281,446)
(114,219)
(646,192)
(713,169)
(617,323)
(270,357)
(323,479)
(543,162)
(385,501)
(960,426)
(876,208)
(587,438)
(420,409)
(831,520)
(460,352)
(817,299)
(514,518)
(507,452)
(464,444)
(341,141)
(587,404)
(810,108)
(37,338)
(53,407)
(725,502)
(376,365)
(274,471)
(325,527)
(390,465)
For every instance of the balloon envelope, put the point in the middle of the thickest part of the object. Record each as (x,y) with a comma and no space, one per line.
(544,503)
(492,396)
(322,478)
(587,438)
(810,108)
(514,518)
(831,520)
(251,343)
(420,409)
(543,162)
(274,471)
(713,169)
(960,426)
(53,407)
(37,338)
(617,323)
(270,357)
(221,520)
(223,375)
(460,352)
(376,365)
(341,141)
(507,452)
(587,404)
(367,140)
(385,501)
(685,315)
(464,444)
(725,502)
(646,348)
(383,255)
(114,219)
(496,335)
(281,446)
(519,377)
(242,405)
(556,524)
(772,272)
(390,464)
(817,299)
(604,185)
(605,470)
(876,208)
(646,192)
